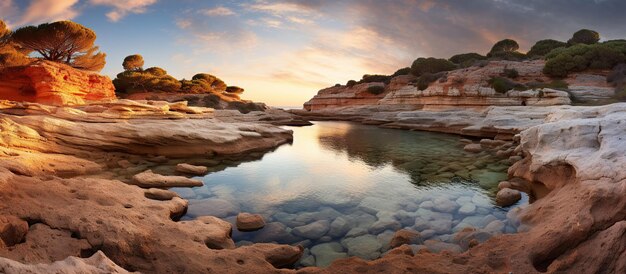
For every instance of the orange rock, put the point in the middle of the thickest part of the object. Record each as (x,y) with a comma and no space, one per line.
(55,84)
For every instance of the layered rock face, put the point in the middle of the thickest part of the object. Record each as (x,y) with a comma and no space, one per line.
(468,88)
(573,165)
(54,83)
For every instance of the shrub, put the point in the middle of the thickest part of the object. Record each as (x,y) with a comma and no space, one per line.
(431,65)
(141,81)
(506,45)
(156,71)
(543,47)
(555,84)
(501,85)
(580,57)
(376,90)
(510,73)
(466,59)
(62,41)
(133,62)
(245,107)
(584,36)
(375,79)
(402,71)
(195,86)
(216,83)
(351,83)
(234,89)
(427,78)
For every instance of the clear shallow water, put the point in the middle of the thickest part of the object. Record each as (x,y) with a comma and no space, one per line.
(342,189)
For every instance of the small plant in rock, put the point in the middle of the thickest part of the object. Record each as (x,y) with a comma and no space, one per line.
(501,84)
(376,90)
(510,73)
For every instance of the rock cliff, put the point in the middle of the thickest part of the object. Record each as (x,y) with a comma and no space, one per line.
(469,88)
(53,83)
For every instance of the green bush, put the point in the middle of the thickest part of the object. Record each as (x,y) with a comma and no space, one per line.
(234,90)
(555,84)
(427,78)
(350,83)
(510,73)
(376,90)
(501,84)
(215,83)
(506,45)
(156,71)
(402,71)
(543,47)
(584,36)
(431,65)
(195,86)
(375,79)
(466,59)
(560,62)
(141,81)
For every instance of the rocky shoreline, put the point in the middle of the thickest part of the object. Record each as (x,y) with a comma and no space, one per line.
(572,163)
(58,157)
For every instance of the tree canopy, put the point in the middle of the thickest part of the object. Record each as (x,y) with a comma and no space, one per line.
(584,36)
(543,47)
(63,41)
(10,54)
(506,45)
(133,62)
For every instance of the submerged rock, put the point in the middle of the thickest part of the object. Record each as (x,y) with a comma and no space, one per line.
(191,169)
(314,230)
(214,207)
(366,246)
(249,222)
(151,179)
(160,194)
(507,197)
(326,253)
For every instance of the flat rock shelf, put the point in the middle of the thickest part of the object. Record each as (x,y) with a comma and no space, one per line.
(343,189)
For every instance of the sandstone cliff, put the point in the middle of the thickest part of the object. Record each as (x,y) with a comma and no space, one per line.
(469,88)
(54,83)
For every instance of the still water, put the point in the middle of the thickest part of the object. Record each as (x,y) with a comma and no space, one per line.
(342,189)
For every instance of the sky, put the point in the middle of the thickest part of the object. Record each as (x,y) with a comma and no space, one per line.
(282,52)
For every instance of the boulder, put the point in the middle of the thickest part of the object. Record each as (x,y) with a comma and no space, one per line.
(326,253)
(160,194)
(405,236)
(366,246)
(249,222)
(507,197)
(149,179)
(191,169)
(12,230)
(314,230)
(474,148)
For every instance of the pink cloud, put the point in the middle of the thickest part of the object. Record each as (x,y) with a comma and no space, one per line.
(121,8)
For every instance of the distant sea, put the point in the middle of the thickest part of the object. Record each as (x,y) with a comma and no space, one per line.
(288,107)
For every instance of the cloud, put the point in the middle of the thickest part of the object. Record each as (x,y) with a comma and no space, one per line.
(37,11)
(121,8)
(218,11)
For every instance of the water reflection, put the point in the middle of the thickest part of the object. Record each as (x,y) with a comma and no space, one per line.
(342,189)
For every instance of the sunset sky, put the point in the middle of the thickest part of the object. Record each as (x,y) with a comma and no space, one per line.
(282,52)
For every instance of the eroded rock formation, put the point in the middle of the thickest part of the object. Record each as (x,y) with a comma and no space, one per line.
(54,83)
(468,88)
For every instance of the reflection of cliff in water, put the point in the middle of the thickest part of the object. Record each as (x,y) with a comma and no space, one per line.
(426,157)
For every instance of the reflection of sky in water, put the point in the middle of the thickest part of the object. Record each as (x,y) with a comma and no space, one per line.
(338,164)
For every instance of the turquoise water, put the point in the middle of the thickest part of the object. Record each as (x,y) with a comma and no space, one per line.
(342,189)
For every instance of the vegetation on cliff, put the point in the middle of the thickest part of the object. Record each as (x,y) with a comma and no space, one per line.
(583,51)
